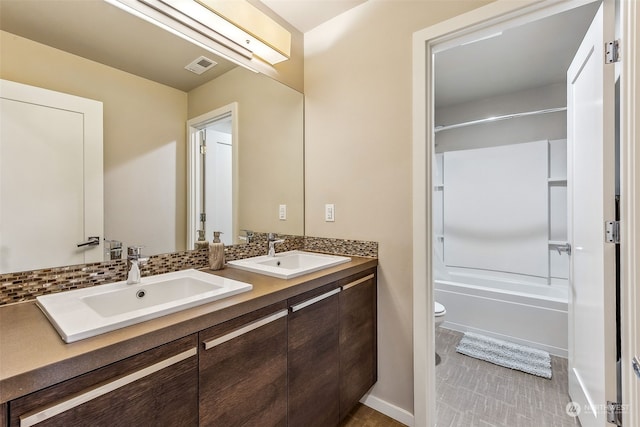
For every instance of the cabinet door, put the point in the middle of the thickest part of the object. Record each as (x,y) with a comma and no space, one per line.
(314,359)
(358,339)
(155,388)
(243,370)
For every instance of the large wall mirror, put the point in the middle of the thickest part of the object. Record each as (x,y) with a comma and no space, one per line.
(94,50)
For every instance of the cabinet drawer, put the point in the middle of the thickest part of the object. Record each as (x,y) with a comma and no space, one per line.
(243,370)
(157,387)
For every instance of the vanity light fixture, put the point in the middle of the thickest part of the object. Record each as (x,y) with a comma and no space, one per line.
(251,28)
(202,26)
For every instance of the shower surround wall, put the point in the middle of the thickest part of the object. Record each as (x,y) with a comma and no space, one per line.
(499,216)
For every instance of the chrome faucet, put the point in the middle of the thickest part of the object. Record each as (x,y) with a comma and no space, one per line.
(134,261)
(271,239)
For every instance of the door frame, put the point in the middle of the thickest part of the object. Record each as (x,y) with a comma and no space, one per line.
(193,166)
(471,25)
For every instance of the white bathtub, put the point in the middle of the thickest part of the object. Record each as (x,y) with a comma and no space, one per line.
(531,314)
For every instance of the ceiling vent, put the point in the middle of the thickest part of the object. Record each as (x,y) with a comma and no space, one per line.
(200,65)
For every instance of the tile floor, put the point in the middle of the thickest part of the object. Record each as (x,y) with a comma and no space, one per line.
(474,393)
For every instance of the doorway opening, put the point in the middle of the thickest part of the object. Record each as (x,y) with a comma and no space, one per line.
(213,171)
(500,217)
(451,33)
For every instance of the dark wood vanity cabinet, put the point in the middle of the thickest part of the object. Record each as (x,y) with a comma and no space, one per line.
(314,358)
(243,370)
(332,350)
(305,361)
(358,339)
(156,388)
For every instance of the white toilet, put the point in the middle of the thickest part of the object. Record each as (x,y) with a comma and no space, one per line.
(439,312)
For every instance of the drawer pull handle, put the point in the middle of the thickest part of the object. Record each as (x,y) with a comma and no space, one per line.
(357,282)
(66,405)
(248,328)
(308,302)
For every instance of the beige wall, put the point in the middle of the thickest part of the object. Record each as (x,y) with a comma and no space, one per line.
(144,139)
(358,155)
(270,147)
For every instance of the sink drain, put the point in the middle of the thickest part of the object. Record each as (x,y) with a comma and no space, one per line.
(141,293)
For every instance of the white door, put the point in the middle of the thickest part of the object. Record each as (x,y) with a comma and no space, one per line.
(213,178)
(50,178)
(591,172)
(218,184)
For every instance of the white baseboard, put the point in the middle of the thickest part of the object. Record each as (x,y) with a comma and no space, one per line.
(388,409)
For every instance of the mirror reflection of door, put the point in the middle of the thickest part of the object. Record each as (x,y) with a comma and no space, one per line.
(217,179)
(51,194)
(213,175)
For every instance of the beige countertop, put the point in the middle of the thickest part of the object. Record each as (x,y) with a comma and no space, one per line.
(33,356)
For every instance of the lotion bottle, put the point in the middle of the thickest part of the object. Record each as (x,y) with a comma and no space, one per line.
(216,252)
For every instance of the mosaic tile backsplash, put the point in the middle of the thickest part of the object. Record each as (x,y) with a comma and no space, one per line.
(27,285)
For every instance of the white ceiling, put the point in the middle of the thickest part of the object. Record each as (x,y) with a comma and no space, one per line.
(103,33)
(98,31)
(525,57)
(308,14)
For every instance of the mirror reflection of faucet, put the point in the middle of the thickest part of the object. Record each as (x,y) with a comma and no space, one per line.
(248,236)
(134,261)
(272,240)
(112,249)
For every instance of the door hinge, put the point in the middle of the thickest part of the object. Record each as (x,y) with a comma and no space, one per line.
(635,364)
(612,232)
(203,217)
(612,52)
(614,413)
(203,149)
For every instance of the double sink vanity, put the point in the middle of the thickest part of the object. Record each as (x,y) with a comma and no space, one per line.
(269,341)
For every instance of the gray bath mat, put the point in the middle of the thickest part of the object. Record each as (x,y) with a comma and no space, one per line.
(503,353)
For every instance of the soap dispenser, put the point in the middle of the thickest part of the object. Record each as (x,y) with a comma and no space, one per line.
(216,252)
(201,243)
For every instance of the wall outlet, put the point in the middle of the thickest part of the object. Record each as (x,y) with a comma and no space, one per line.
(329,212)
(282,212)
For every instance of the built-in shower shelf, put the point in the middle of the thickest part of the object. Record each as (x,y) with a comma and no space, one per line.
(557,242)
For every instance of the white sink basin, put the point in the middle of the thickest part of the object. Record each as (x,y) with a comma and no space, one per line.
(84,313)
(286,265)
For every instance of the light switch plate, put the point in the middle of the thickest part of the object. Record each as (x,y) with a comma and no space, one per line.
(282,212)
(329,212)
